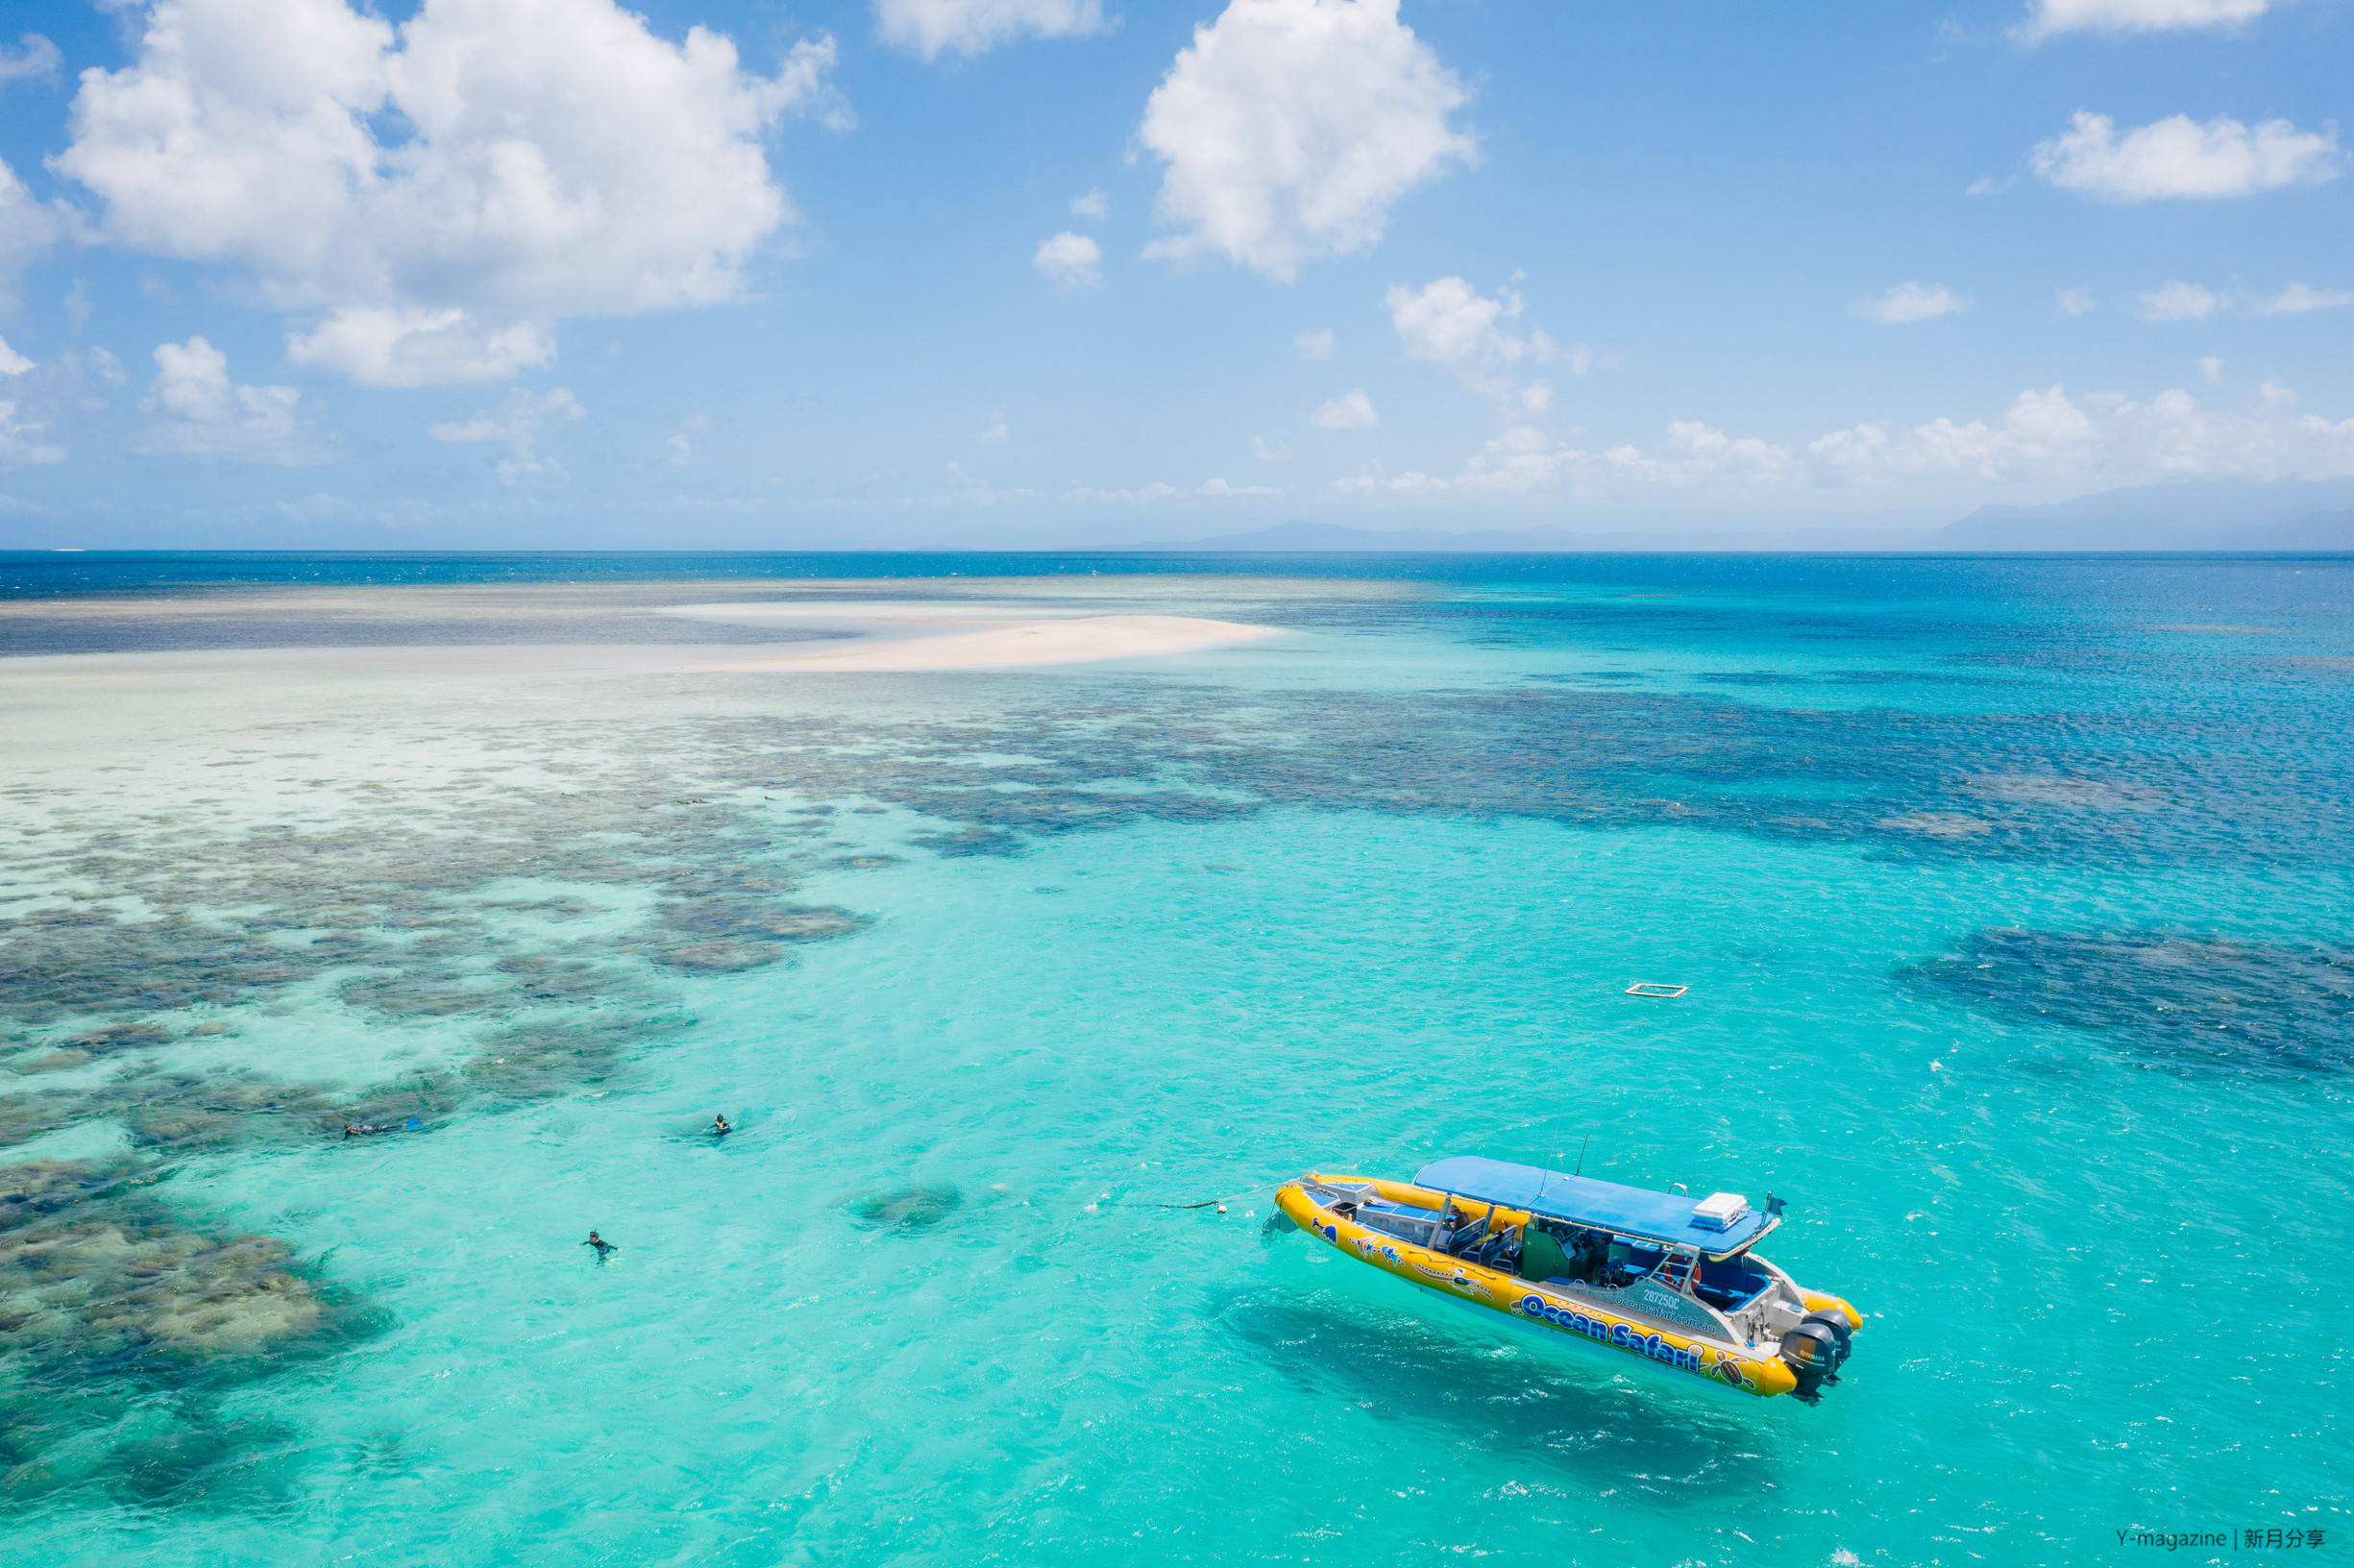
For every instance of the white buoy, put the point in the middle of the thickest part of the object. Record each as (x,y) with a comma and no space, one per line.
(1221,1207)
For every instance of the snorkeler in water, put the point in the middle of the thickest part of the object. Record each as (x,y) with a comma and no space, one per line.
(601,1245)
(719,1126)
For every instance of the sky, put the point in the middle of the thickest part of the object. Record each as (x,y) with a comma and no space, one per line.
(1035,273)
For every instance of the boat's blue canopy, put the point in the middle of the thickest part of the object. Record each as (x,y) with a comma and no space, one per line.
(1604,1206)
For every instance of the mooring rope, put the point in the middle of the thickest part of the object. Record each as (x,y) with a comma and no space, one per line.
(1207,1202)
(1233,1197)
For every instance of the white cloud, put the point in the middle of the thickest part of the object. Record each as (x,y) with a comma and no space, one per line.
(995,430)
(2045,439)
(2074,301)
(413,345)
(518,424)
(1220,487)
(2041,428)
(1316,345)
(2179,157)
(519,419)
(1520,460)
(1525,461)
(314,508)
(23,439)
(1092,205)
(2211,367)
(1069,261)
(1450,322)
(1697,454)
(2177,300)
(2048,438)
(553,159)
(1353,411)
(37,397)
(963,490)
(26,228)
(679,448)
(32,55)
(931,27)
(1909,303)
(1447,321)
(2050,16)
(2299,299)
(1290,128)
(199,412)
(1269,451)
(1158,490)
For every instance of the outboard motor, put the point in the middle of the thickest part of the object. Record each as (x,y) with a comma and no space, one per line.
(1814,1350)
(1841,1329)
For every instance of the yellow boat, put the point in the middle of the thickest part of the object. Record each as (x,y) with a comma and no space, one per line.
(1651,1274)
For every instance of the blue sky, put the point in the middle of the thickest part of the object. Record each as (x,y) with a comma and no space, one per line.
(1032,272)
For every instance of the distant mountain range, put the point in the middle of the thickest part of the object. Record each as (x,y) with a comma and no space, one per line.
(2207,514)
(2201,515)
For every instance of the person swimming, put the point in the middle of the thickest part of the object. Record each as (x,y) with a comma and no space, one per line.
(719,1126)
(601,1245)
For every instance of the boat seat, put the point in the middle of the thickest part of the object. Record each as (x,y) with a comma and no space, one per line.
(1489,1254)
(1728,1287)
(1462,1242)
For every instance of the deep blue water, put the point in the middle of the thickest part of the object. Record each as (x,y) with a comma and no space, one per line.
(2069,578)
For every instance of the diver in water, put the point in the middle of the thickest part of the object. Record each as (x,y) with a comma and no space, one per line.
(601,1245)
(719,1126)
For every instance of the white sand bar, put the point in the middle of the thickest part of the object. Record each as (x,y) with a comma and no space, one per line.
(902,635)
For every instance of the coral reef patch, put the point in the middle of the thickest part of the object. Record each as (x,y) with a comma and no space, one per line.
(906,1208)
(124,1323)
(2165,997)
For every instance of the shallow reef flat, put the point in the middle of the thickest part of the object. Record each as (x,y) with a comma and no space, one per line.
(252,897)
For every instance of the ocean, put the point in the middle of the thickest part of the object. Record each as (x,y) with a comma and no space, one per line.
(2015,896)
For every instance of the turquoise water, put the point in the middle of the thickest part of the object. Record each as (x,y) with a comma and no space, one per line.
(2012,898)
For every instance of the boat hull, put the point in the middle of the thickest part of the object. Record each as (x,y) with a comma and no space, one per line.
(1531,1306)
